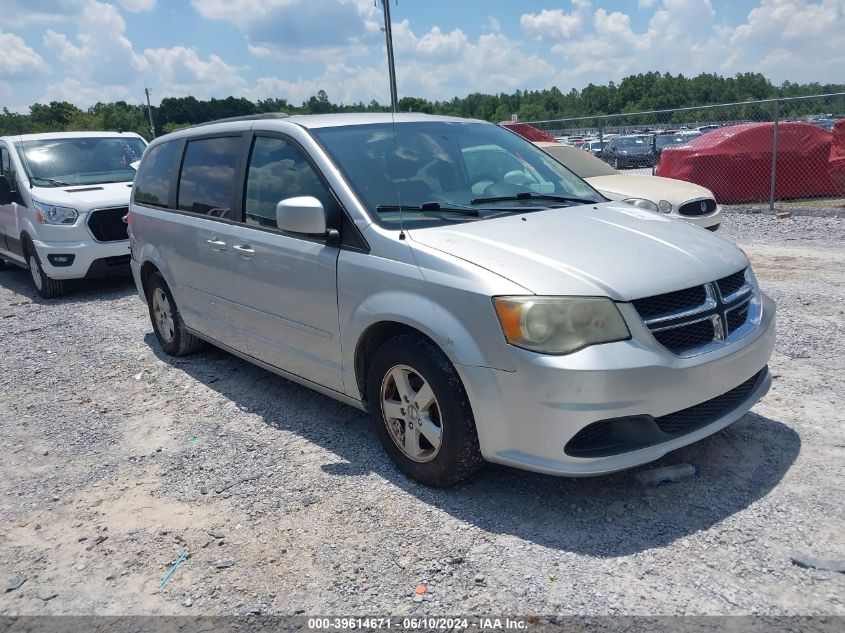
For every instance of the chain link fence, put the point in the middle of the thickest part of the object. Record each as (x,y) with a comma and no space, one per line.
(776,155)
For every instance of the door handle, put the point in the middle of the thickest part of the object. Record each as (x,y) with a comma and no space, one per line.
(217,245)
(246,251)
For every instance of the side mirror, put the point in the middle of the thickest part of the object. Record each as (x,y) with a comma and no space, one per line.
(303,214)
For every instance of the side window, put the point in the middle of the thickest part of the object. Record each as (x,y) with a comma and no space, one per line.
(278,170)
(152,182)
(7,174)
(207,182)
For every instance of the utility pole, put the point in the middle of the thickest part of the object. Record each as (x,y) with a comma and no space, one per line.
(150,112)
(388,34)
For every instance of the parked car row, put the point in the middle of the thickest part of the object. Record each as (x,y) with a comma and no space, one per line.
(476,296)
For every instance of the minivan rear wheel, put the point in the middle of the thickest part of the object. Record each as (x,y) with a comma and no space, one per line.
(421,412)
(168,326)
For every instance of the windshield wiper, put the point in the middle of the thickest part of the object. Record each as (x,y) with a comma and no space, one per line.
(530,195)
(52,181)
(428,206)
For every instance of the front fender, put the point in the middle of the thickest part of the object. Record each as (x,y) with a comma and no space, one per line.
(476,341)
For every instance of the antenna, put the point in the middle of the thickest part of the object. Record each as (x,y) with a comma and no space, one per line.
(150,112)
(388,36)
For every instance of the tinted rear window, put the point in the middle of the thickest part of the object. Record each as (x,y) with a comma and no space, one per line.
(207,184)
(152,184)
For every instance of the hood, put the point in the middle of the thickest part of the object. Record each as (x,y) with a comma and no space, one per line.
(85,197)
(613,250)
(618,187)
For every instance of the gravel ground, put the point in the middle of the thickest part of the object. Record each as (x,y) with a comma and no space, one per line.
(117,459)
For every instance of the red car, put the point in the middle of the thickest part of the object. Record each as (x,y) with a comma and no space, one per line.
(735,162)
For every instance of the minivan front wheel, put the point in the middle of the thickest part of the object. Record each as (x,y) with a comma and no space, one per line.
(168,326)
(48,288)
(421,412)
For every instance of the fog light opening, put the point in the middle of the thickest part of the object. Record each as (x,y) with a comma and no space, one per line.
(61,260)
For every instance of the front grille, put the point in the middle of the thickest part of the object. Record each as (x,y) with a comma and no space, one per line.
(737,317)
(693,418)
(685,321)
(678,301)
(698,207)
(621,435)
(689,337)
(107,225)
(730,284)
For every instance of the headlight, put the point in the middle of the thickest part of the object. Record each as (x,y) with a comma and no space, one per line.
(750,277)
(49,214)
(665,206)
(559,325)
(642,203)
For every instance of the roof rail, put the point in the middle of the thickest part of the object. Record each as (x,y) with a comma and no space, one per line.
(248,117)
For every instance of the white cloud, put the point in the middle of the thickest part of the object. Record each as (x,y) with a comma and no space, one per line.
(299,29)
(17,59)
(791,39)
(101,54)
(439,65)
(74,91)
(138,6)
(645,4)
(181,72)
(343,84)
(552,24)
(17,14)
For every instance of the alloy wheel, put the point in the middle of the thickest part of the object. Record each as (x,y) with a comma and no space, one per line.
(163,314)
(411,413)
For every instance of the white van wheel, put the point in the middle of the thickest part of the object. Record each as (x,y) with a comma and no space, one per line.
(46,287)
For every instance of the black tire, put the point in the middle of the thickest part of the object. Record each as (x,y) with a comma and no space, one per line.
(180,342)
(47,287)
(458,455)
(714,227)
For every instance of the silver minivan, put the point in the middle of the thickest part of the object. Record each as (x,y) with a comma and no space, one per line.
(476,297)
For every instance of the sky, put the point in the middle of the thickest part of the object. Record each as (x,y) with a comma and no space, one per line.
(85,51)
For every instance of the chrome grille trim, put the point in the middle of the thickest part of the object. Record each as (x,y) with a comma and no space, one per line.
(717,309)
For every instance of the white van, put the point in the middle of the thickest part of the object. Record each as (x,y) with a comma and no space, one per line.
(64,197)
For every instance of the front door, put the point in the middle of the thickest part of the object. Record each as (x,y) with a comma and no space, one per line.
(9,241)
(284,284)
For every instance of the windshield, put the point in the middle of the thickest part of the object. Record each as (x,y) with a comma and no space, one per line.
(668,140)
(632,141)
(80,161)
(582,163)
(443,172)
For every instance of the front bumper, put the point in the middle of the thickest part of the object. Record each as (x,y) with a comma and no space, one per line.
(86,258)
(526,418)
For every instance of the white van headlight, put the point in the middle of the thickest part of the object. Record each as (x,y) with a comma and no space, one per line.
(51,214)
(559,325)
(642,203)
